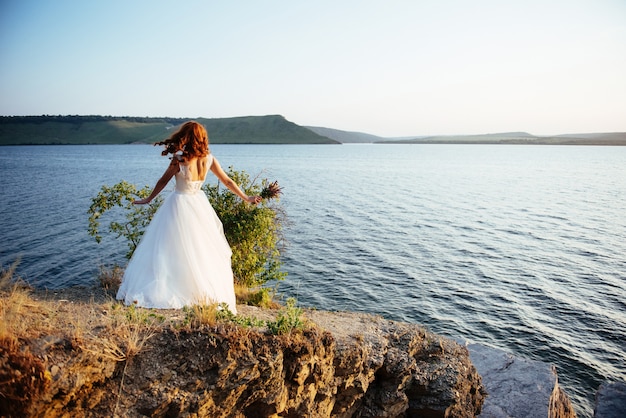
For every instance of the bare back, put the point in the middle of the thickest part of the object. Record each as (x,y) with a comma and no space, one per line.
(198,167)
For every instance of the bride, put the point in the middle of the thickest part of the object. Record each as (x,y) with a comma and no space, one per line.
(183,257)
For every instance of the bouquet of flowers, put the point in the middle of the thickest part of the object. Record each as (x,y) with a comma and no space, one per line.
(271,191)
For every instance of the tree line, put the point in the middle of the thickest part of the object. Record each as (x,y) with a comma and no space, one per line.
(79,119)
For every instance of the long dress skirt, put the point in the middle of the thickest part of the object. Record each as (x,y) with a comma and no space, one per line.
(183,257)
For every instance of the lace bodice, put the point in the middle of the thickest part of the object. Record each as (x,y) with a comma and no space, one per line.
(184,182)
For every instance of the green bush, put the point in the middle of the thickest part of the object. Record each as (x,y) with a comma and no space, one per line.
(119,198)
(254,232)
(289,319)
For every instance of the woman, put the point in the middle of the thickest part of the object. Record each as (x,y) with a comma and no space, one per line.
(183,257)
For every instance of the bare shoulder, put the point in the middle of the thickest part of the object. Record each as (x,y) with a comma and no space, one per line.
(213,162)
(174,164)
(216,168)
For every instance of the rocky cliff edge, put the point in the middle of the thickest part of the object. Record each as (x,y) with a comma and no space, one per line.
(340,365)
(62,357)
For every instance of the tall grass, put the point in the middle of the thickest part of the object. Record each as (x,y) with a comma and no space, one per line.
(14,303)
(23,376)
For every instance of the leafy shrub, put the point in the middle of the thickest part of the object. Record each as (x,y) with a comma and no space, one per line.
(288,319)
(262,297)
(120,196)
(254,232)
(244,321)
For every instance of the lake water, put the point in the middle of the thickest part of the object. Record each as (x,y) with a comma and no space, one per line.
(522,248)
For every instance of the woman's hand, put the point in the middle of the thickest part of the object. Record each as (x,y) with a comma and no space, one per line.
(141,202)
(253,199)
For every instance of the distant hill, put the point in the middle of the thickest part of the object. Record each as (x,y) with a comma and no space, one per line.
(618,138)
(345,137)
(521,138)
(46,130)
(611,138)
(271,129)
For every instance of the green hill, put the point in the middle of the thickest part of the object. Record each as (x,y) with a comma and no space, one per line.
(273,129)
(48,130)
(521,138)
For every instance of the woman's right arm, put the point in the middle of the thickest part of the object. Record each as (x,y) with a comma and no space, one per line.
(161,183)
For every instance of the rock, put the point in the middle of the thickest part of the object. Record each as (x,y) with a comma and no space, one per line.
(611,400)
(390,368)
(346,365)
(518,387)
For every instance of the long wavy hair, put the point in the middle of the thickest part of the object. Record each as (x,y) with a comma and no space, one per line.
(192,139)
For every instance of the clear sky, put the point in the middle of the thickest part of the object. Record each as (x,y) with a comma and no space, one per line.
(388,67)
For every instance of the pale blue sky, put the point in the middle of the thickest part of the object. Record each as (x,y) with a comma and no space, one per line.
(389,68)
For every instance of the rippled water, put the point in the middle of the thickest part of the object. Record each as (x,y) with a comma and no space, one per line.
(517,247)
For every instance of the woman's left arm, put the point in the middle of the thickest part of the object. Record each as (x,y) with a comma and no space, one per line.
(216,168)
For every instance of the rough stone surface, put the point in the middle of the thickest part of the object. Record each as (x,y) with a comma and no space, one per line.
(611,400)
(346,365)
(407,370)
(518,387)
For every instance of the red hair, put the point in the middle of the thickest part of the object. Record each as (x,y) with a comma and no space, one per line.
(192,139)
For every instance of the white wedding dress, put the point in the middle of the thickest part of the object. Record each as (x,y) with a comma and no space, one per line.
(183,257)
